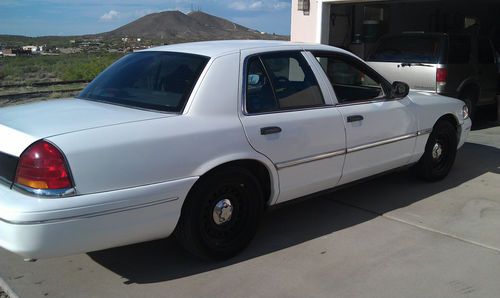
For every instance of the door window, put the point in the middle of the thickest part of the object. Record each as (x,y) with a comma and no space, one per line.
(349,81)
(281,81)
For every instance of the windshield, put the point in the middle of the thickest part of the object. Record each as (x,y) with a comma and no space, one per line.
(407,49)
(152,80)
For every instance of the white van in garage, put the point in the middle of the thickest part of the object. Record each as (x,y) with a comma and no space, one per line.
(456,65)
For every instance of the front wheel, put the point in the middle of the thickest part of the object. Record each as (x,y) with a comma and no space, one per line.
(221,214)
(440,153)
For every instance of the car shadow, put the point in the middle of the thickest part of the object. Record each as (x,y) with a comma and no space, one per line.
(299,222)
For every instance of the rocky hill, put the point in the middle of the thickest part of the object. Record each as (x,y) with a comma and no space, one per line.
(175,26)
(166,27)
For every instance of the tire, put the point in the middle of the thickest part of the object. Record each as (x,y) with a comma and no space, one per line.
(440,153)
(212,230)
(469,97)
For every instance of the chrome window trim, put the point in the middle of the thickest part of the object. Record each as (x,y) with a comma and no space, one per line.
(362,102)
(289,110)
(243,100)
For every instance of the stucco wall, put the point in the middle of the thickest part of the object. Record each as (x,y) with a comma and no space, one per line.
(304,26)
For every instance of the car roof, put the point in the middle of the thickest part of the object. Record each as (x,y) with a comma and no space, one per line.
(224,47)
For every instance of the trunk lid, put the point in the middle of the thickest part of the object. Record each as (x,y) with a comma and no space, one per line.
(22,125)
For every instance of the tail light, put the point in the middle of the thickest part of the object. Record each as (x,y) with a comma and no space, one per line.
(42,166)
(441,75)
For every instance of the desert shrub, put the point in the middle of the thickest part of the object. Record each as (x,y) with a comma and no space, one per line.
(84,66)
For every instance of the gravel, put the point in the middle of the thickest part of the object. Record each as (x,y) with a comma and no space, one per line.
(3,294)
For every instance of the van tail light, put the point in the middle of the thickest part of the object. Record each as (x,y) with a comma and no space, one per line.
(42,166)
(441,75)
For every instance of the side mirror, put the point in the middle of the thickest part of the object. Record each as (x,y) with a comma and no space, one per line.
(400,89)
(253,79)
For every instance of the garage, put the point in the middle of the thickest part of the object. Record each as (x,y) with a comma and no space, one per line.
(470,31)
(356,25)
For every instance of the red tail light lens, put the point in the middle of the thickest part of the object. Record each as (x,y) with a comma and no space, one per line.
(441,75)
(42,166)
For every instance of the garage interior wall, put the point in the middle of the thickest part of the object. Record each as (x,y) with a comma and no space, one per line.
(357,26)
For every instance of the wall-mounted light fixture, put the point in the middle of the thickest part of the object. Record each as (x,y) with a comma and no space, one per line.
(304,6)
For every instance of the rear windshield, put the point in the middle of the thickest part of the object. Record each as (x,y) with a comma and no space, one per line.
(151,80)
(407,49)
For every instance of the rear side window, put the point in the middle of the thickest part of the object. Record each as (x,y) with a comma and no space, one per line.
(281,81)
(152,80)
(485,52)
(459,51)
(407,49)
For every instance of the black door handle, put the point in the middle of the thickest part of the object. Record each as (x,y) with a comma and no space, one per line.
(270,130)
(354,118)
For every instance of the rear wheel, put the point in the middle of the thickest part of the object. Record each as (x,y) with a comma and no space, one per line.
(469,97)
(440,152)
(221,214)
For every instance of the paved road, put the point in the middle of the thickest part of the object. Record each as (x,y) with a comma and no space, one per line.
(393,236)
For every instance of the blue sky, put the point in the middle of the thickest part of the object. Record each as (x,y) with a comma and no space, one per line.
(73,17)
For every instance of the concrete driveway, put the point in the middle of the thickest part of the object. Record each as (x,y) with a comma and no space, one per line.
(393,236)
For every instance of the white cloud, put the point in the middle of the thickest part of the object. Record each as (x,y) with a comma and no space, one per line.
(259,5)
(110,15)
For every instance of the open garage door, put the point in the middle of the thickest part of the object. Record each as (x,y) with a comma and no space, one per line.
(357,25)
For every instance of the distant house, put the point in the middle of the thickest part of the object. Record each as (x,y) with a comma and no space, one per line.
(32,49)
(8,53)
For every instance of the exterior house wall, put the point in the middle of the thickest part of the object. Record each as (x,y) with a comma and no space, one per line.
(304,27)
(314,27)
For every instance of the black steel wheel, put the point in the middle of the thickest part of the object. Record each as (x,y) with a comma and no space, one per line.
(440,152)
(221,214)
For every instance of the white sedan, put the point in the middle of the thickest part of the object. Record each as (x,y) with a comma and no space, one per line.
(198,139)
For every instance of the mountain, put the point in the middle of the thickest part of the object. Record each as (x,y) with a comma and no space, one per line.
(175,26)
(166,27)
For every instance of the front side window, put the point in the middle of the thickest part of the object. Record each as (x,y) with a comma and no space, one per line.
(349,82)
(281,81)
(152,80)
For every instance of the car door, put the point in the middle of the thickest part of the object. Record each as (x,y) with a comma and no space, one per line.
(380,132)
(289,118)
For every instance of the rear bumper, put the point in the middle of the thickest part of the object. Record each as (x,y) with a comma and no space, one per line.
(36,228)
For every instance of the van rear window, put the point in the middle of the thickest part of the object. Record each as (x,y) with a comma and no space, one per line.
(407,49)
